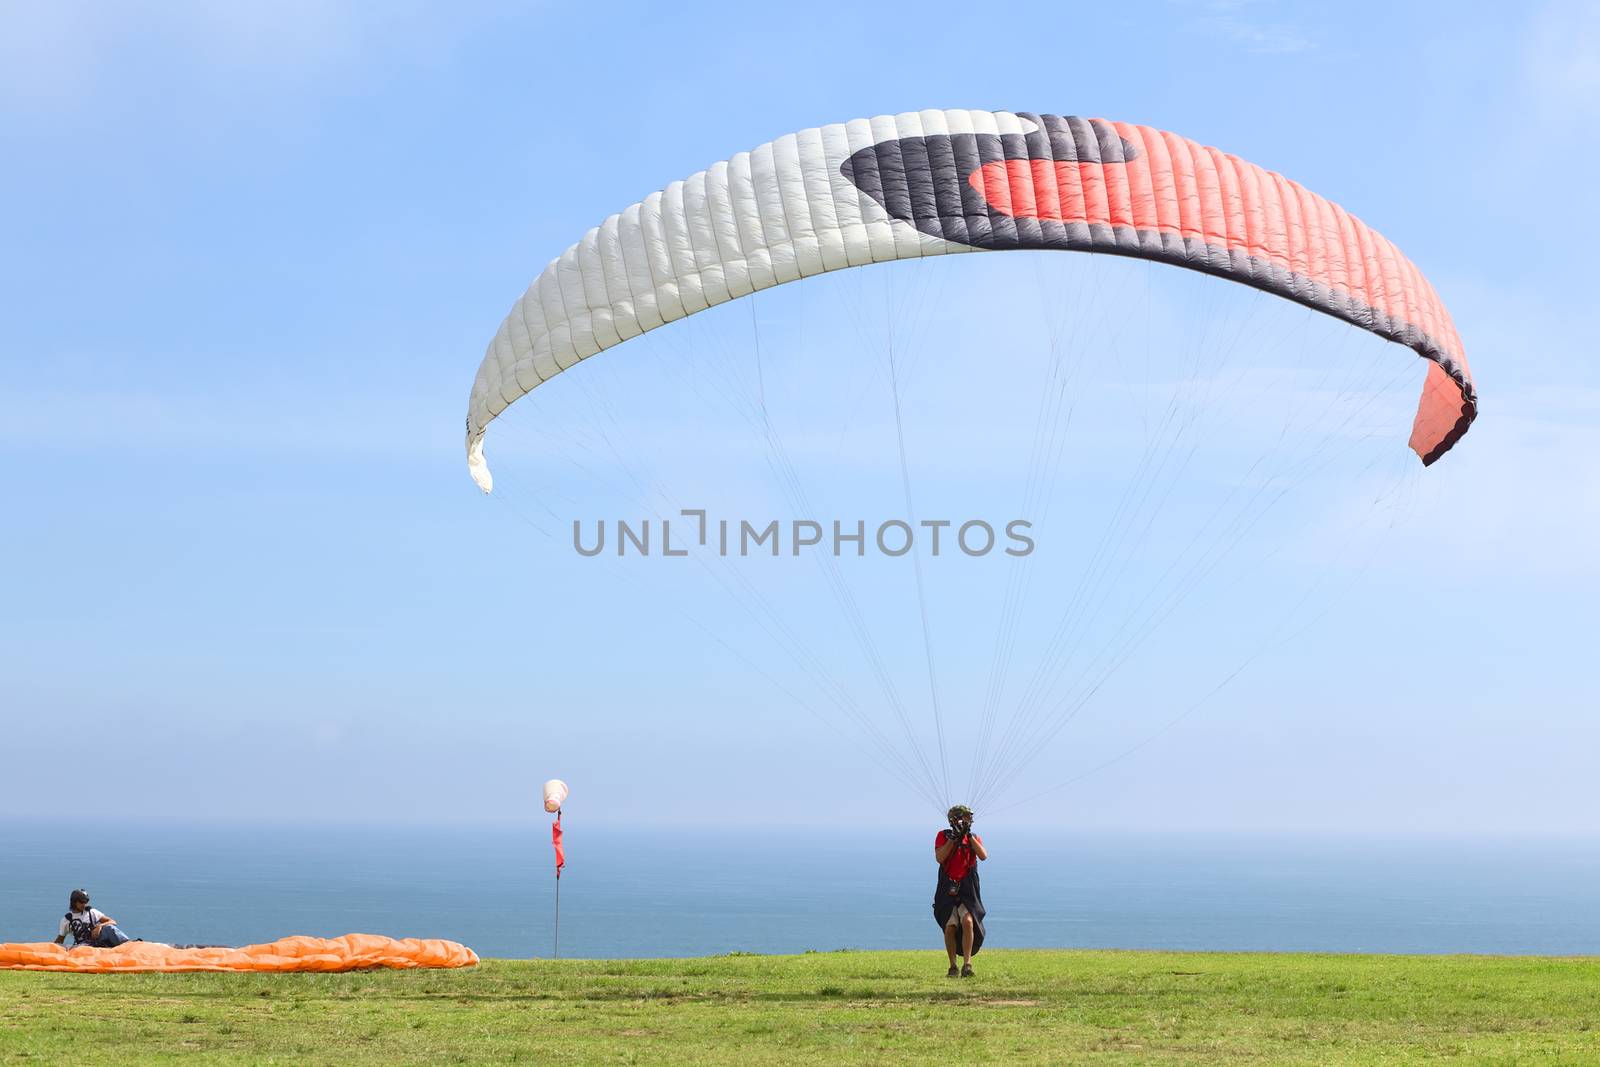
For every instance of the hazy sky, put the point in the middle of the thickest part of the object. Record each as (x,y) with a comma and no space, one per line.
(252,256)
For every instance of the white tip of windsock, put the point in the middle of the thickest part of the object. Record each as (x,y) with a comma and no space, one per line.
(555,794)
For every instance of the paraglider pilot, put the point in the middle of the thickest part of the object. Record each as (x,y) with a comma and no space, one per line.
(89,926)
(957,899)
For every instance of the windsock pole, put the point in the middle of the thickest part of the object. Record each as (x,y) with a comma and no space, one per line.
(555,791)
(559,858)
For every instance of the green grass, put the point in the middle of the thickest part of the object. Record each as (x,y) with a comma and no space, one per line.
(836,1008)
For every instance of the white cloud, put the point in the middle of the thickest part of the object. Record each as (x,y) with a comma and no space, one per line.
(1518,499)
(64,55)
(1561,62)
(1525,499)
(1253,25)
(88,421)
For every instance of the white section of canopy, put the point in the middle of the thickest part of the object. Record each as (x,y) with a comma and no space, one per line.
(778,213)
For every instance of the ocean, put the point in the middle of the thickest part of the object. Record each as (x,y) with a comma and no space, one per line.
(697,892)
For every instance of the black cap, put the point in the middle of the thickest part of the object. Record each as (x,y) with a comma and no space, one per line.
(78,897)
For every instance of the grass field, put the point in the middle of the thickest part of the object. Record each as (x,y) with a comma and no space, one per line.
(836,1008)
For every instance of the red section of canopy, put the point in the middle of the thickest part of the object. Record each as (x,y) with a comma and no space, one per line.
(1175,187)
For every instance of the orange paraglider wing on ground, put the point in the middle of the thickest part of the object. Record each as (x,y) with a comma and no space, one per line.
(352,952)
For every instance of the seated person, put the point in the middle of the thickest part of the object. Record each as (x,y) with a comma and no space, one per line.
(89,926)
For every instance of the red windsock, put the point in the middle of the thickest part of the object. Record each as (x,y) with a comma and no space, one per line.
(555,840)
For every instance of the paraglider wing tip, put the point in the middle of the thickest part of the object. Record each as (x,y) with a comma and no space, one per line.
(477,466)
(1447,409)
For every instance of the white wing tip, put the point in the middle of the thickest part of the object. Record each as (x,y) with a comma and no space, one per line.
(477,466)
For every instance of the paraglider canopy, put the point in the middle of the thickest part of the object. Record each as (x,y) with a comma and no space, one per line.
(1178,421)
(937,182)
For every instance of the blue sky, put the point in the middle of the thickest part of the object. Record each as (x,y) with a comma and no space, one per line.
(253,255)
